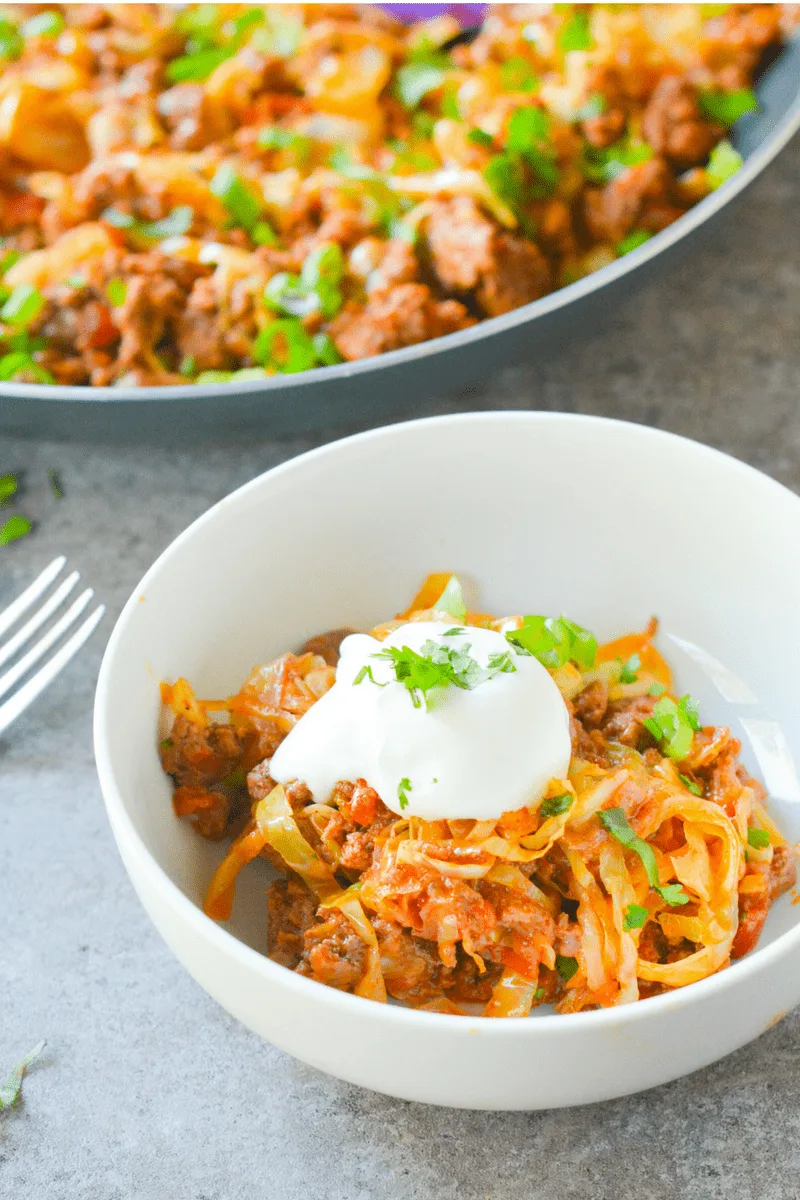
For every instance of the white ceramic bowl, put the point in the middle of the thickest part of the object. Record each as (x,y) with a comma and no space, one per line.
(541,512)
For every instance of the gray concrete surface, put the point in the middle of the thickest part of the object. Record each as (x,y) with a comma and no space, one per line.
(147,1090)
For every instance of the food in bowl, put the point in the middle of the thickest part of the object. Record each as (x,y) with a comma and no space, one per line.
(212,192)
(478,811)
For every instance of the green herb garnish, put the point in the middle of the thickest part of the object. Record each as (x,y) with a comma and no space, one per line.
(177,223)
(727,107)
(11,44)
(325,350)
(23,305)
(285,346)
(415,80)
(555,641)
(272,137)
(723,162)
(601,166)
(366,673)
(244,208)
(315,289)
(615,822)
(8,486)
(635,917)
(479,137)
(9,1091)
(452,599)
(55,484)
(14,528)
(674,725)
(116,290)
(574,34)
(436,666)
(45,24)
(690,785)
(656,688)
(566,966)
(539,994)
(454,632)
(632,242)
(595,106)
(517,75)
(403,788)
(758,838)
(628,674)
(556,805)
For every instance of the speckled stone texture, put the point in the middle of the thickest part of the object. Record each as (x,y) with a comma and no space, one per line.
(147,1090)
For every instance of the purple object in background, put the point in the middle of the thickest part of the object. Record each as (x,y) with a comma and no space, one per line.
(467,14)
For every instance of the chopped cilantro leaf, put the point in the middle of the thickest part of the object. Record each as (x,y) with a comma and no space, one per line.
(616,823)
(555,641)
(10,1089)
(635,917)
(454,632)
(14,528)
(502,663)
(403,788)
(438,666)
(366,673)
(452,600)
(8,486)
(673,725)
(566,966)
(556,805)
(629,669)
(727,107)
(690,784)
(197,67)
(505,175)
(527,127)
(723,162)
(758,838)
(601,166)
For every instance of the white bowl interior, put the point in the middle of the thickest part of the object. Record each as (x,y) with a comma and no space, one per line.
(607,522)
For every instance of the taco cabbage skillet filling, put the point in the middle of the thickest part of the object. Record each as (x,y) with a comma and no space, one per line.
(198,193)
(649,862)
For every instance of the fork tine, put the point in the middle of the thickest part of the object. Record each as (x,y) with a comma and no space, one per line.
(50,605)
(12,708)
(41,647)
(17,607)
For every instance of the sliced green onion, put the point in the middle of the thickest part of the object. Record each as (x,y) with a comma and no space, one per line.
(244,209)
(723,163)
(45,24)
(628,674)
(23,305)
(633,241)
(116,290)
(727,107)
(285,345)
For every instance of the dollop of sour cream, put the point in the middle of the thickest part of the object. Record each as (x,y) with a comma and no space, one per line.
(464,753)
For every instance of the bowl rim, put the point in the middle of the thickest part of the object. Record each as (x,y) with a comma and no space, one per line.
(690,222)
(226,943)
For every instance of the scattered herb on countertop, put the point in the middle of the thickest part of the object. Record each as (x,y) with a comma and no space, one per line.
(10,1090)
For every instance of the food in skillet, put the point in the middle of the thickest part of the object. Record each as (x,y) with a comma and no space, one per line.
(476,811)
(205,192)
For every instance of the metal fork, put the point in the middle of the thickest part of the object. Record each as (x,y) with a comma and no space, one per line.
(27,693)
